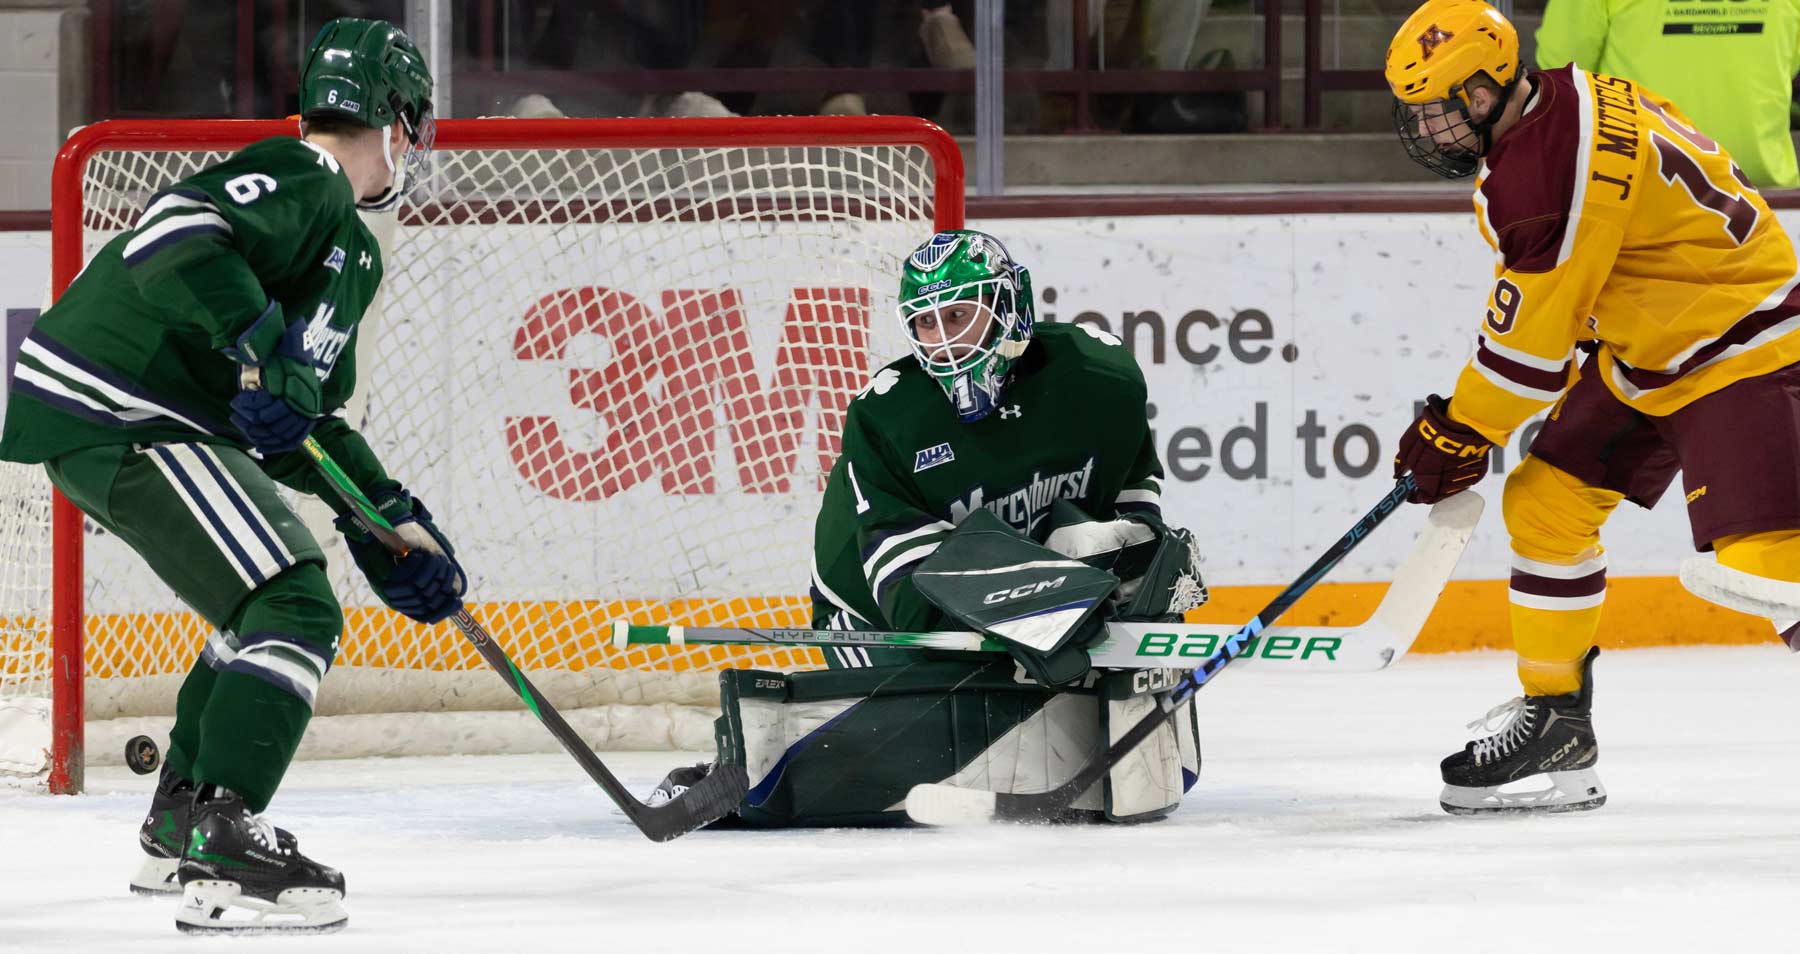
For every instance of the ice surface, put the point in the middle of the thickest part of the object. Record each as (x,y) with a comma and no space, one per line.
(1314,828)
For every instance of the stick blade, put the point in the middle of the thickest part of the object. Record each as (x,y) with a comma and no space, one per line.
(934,804)
(714,797)
(1421,577)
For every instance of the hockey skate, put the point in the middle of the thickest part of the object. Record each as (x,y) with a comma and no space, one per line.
(1547,743)
(677,782)
(164,832)
(239,877)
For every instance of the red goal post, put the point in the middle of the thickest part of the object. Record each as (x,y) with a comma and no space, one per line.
(728,222)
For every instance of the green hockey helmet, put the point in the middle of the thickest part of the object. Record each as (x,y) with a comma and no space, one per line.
(370,72)
(966,307)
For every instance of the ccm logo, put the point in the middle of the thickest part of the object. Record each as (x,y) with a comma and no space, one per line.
(1154,680)
(1001,596)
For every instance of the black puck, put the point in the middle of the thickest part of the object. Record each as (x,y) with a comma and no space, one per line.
(142,754)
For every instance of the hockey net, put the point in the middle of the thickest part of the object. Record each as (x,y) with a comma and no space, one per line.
(613,357)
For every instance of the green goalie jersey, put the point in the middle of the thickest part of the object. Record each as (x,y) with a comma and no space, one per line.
(1071,425)
(130,353)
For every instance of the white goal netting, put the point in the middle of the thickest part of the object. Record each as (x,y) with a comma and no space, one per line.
(615,372)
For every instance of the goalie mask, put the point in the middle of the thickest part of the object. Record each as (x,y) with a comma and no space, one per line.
(370,72)
(966,308)
(1439,49)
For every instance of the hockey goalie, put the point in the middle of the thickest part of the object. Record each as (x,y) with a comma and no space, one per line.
(1002,479)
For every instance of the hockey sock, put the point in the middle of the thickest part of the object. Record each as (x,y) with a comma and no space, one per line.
(267,677)
(1774,554)
(248,736)
(190,703)
(1558,572)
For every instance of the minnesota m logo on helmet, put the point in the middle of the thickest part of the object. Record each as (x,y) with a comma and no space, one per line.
(1430,39)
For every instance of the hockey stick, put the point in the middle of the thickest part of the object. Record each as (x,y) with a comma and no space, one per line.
(1371,646)
(711,799)
(939,804)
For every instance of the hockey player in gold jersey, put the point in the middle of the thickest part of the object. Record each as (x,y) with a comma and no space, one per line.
(1624,234)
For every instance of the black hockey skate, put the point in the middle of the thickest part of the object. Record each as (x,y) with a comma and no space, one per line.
(677,782)
(165,831)
(1547,739)
(239,877)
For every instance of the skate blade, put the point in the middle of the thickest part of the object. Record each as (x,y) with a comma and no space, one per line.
(1577,791)
(221,907)
(156,878)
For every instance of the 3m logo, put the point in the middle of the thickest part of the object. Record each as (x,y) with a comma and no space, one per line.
(675,378)
(1430,40)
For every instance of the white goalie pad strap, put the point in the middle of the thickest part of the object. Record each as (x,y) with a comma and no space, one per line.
(1745,592)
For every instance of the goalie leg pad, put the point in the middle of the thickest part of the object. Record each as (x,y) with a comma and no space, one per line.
(844,747)
(1150,782)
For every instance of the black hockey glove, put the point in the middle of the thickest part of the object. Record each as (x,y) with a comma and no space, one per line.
(1444,456)
(279,397)
(427,584)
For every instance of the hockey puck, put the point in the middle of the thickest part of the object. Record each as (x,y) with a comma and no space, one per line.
(142,754)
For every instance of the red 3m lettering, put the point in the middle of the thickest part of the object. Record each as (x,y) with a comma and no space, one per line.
(670,375)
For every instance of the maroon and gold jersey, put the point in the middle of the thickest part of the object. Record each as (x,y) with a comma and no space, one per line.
(1616,222)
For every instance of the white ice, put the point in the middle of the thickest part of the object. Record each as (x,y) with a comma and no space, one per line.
(1315,828)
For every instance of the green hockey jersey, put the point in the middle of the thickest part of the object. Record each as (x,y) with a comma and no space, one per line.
(1071,426)
(130,352)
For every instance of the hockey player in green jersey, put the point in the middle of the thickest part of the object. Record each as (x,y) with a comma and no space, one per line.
(1003,479)
(167,392)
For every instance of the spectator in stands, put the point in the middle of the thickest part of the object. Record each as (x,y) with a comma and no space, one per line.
(1728,66)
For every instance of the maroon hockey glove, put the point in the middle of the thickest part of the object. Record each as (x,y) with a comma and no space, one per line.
(1445,457)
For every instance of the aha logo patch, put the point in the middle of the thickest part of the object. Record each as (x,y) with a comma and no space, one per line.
(932,456)
(335,261)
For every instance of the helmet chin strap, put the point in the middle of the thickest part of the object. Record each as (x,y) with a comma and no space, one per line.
(1485,128)
(387,152)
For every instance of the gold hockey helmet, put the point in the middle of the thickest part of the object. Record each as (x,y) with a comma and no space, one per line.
(1442,46)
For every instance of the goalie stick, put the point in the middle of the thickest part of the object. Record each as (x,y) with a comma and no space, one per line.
(711,799)
(1368,647)
(939,804)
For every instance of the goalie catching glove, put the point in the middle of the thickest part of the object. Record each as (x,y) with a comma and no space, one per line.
(427,584)
(1157,565)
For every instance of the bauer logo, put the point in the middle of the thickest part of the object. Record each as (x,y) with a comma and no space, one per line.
(932,456)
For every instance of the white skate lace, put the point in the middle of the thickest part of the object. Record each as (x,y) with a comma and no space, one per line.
(1519,719)
(263,831)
